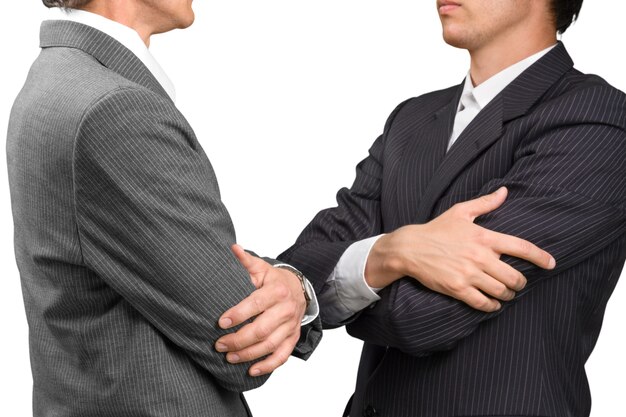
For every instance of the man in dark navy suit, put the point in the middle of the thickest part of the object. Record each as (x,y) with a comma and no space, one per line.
(453,325)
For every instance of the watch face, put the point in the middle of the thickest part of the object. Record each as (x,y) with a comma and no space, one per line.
(306,289)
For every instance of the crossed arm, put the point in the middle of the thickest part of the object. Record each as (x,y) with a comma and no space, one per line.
(152,227)
(572,224)
(566,194)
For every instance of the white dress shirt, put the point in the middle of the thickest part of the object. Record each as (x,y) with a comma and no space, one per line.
(348,292)
(132,41)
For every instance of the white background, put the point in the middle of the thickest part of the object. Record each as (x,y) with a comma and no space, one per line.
(286,97)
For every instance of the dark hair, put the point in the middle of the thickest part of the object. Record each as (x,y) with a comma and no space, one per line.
(66,4)
(565,12)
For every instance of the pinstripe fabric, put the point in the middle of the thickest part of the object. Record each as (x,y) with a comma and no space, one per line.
(121,240)
(557,139)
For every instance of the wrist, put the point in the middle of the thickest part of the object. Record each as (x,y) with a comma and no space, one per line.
(302,279)
(384,265)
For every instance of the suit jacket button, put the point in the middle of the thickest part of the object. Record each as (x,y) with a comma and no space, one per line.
(370,412)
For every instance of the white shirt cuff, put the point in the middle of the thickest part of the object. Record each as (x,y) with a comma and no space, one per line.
(348,292)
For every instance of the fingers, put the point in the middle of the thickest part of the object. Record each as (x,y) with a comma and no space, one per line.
(479,301)
(502,243)
(278,307)
(249,307)
(493,287)
(475,289)
(273,306)
(523,249)
(261,329)
(276,359)
(264,347)
(507,276)
(484,204)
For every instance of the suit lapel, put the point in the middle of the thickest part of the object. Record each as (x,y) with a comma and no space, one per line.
(108,51)
(486,128)
(422,156)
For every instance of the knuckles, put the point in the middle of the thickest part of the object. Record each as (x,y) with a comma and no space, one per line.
(525,247)
(282,359)
(290,310)
(514,280)
(270,346)
(503,293)
(480,303)
(456,286)
(281,291)
(261,332)
(482,237)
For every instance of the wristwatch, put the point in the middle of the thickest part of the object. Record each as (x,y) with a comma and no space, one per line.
(306,288)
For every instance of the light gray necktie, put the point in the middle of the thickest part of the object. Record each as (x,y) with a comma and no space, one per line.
(468,109)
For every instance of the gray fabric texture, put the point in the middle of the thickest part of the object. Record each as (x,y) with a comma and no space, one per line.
(121,239)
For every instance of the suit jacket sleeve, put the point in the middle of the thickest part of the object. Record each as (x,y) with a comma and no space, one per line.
(357,216)
(567,194)
(152,226)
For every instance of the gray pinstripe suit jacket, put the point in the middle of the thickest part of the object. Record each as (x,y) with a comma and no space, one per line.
(557,139)
(121,240)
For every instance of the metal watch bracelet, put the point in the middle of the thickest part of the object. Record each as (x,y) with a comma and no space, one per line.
(300,277)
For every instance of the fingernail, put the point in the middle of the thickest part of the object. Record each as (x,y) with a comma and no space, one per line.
(552,263)
(225,323)
(233,358)
(498,306)
(220,347)
(255,372)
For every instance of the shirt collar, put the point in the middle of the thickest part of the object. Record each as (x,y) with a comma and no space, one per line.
(124,35)
(490,88)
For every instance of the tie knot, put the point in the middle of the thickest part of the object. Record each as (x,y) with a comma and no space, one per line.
(467,101)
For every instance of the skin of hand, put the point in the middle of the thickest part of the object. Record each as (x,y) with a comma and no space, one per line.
(277,307)
(453,256)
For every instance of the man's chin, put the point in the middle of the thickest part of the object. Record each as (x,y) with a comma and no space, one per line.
(455,40)
(184,24)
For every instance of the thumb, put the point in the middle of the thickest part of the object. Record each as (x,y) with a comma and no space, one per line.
(486,203)
(248,261)
(256,267)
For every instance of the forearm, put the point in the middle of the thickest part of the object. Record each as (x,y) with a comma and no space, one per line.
(418,321)
(415,320)
(153,228)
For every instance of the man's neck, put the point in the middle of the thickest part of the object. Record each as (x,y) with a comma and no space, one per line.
(125,14)
(495,56)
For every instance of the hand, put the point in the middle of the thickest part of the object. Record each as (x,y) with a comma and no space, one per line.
(277,307)
(454,256)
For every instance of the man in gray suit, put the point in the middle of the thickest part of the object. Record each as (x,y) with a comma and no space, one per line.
(122,242)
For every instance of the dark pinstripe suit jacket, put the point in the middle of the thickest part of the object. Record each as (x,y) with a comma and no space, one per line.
(121,240)
(557,139)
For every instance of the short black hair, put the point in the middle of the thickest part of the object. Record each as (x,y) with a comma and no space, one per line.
(66,4)
(565,12)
